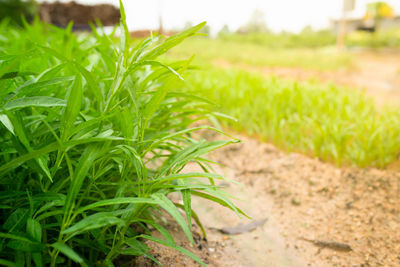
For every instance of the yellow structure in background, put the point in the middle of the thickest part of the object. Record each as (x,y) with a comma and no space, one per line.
(378,11)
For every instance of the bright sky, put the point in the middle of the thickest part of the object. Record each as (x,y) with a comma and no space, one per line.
(288,15)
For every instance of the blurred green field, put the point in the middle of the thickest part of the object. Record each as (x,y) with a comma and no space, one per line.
(380,39)
(210,51)
(308,38)
(310,50)
(331,122)
(322,120)
(327,121)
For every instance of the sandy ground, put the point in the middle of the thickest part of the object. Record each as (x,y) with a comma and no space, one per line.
(302,198)
(377,74)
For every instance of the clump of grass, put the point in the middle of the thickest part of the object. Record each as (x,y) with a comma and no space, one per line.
(332,123)
(93,138)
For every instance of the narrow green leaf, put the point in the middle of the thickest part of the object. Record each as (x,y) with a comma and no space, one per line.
(19,245)
(16,220)
(34,229)
(14,74)
(7,123)
(124,35)
(8,263)
(79,69)
(109,263)
(154,103)
(222,201)
(47,74)
(67,251)
(71,112)
(137,65)
(31,155)
(117,201)
(168,206)
(37,259)
(20,130)
(34,101)
(141,48)
(33,86)
(15,237)
(85,163)
(164,232)
(137,248)
(187,202)
(196,219)
(178,248)
(95,221)
(172,41)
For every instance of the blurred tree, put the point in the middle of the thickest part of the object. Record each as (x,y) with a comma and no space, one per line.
(256,23)
(206,30)
(378,11)
(14,9)
(224,30)
(188,24)
(307,29)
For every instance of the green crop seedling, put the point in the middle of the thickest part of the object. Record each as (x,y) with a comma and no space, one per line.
(331,123)
(93,138)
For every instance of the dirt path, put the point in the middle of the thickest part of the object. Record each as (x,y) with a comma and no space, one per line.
(301,198)
(378,74)
(304,197)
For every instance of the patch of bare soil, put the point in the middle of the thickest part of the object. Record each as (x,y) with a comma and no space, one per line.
(211,251)
(377,74)
(303,200)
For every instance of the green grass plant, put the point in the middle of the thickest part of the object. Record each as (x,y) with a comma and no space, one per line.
(93,139)
(332,123)
(13,10)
